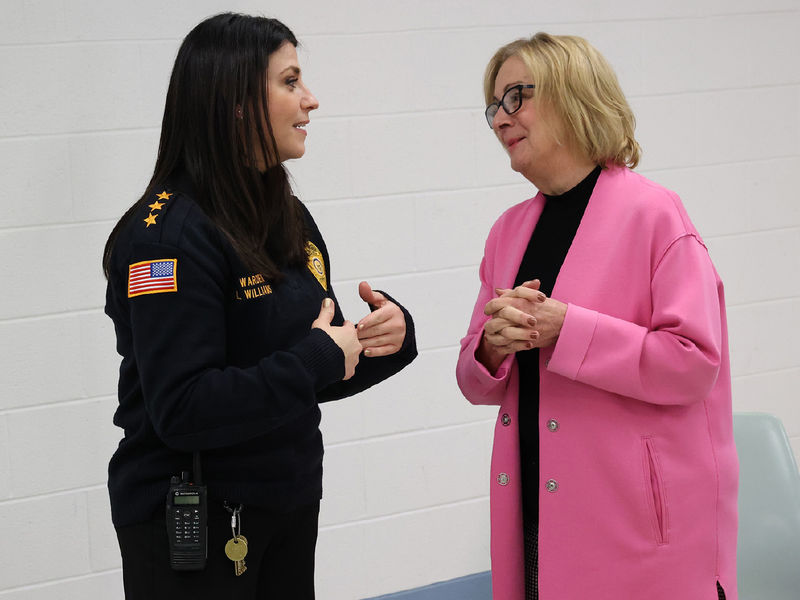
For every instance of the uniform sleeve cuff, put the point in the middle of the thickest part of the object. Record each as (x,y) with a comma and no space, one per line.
(323,359)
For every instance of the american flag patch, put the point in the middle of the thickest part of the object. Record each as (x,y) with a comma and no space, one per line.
(152,277)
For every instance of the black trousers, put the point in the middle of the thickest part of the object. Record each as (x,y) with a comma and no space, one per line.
(280,558)
(530,537)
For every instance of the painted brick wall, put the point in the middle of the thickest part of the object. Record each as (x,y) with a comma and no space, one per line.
(405,180)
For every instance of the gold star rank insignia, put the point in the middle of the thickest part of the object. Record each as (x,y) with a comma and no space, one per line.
(156,205)
(163,195)
(316,265)
(151,219)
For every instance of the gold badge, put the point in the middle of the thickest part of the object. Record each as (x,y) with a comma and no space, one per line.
(316,265)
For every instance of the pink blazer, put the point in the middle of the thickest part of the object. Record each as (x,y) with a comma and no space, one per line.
(639,473)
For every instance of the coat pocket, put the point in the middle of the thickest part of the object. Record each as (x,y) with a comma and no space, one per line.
(654,491)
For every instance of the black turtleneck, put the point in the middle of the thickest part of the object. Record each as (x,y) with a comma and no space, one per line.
(543,258)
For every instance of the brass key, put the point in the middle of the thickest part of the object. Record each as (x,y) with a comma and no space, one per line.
(236,547)
(239,567)
(238,554)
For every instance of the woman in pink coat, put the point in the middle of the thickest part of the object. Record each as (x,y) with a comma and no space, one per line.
(600,332)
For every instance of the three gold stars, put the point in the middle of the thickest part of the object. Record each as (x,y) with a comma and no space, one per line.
(151,218)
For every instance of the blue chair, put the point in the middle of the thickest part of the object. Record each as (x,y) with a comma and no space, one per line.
(768,562)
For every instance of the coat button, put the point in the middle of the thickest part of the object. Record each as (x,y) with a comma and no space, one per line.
(551,485)
(546,362)
(552,425)
(506,419)
(502,479)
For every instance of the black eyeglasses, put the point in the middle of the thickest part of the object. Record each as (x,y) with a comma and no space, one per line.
(511,101)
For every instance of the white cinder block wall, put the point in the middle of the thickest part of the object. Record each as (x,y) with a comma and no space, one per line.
(404,179)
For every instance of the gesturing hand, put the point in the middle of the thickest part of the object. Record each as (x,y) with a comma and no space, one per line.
(383,331)
(344,336)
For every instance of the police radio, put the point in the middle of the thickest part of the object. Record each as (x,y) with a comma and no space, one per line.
(187,521)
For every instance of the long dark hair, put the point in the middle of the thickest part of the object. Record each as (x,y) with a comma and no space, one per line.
(214,131)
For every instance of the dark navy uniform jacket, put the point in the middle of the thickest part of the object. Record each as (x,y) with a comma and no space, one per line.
(216,358)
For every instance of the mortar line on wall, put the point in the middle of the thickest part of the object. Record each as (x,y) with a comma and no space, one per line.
(48,583)
(388,516)
(411,433)
(444,348)
(59,404)
(81,133)
(751,232)
(713,90)
(455,269)
(416,193)
(45,226)
(54,315)
(437,30)
(544,24)
(785,300)
(648,172)
(766,372)
(43,496)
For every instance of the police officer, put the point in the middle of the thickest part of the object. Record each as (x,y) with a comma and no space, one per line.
(229,330)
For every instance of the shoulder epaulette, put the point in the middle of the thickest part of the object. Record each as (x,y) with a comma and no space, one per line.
(157,208)
(162,216)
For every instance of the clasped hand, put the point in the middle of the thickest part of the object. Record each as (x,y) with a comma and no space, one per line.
(522,318)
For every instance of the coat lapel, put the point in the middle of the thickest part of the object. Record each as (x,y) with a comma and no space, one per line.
(570,282)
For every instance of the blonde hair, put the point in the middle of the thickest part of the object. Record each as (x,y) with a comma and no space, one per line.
(574,80)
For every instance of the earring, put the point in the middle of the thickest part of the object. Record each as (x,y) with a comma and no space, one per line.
(238,112)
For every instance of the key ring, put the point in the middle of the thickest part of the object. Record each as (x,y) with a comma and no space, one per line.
(236,519)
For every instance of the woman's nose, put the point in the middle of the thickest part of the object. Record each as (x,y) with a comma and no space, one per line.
(501,118)
(310,101)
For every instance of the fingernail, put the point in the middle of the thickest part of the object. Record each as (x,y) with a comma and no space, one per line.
(528,345)
(367,352)
(327,303)
(535,335)
(498,291)
(542,297)
(531,321)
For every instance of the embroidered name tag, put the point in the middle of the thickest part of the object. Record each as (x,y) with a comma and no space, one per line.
(253,286)
(316,265)
(153,277)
